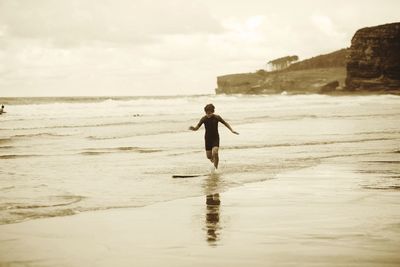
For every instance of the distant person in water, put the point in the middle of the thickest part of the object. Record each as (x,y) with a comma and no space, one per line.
(2,109)
(211,136)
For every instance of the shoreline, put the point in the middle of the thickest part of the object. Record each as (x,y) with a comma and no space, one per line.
(330,93)
(319,215)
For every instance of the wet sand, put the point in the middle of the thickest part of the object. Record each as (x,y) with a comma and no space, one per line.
(325,215)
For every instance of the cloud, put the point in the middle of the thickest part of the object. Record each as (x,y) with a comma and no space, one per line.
(324,24)
(128,47)
(245,30)
(75,22)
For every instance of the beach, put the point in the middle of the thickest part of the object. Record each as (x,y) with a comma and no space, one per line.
(311,217)
(310,181)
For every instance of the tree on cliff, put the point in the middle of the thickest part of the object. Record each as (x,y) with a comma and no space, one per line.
(282,62)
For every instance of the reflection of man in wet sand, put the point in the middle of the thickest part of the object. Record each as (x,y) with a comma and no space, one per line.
(212,217)
(213,204)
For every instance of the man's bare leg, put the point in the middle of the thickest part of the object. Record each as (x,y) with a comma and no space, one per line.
(209,155)
(215,156)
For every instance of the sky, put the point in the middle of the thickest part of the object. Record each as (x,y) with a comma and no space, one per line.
(165,47)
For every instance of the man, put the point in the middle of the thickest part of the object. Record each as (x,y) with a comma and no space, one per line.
(211,136)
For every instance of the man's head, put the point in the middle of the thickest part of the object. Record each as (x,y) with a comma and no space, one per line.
(209,109)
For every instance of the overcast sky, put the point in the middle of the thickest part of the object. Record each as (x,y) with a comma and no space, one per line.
(165,47)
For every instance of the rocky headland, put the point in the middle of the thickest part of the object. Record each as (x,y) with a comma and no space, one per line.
(374,60)
(370,65)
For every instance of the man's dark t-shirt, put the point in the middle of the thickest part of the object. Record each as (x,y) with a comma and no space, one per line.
(211,136)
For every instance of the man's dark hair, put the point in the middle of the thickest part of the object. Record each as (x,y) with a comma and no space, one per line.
(209,107)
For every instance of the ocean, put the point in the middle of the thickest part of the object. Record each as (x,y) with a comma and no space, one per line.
(63,156)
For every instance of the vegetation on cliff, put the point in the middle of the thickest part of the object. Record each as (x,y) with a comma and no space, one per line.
(335,59)
(307,76)
(282,62)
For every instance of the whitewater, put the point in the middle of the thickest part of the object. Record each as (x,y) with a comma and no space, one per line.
(63,156)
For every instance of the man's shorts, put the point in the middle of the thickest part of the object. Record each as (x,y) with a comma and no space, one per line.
(211,142)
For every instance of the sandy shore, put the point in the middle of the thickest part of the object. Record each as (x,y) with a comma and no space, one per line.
(318,216)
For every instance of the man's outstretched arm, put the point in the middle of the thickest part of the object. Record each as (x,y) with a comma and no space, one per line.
(227,125)
(197,126)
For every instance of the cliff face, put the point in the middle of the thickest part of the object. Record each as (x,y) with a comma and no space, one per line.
(374,59)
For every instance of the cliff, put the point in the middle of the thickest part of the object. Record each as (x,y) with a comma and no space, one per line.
(295,82)
(374,60)
(307,76)
(370,65)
